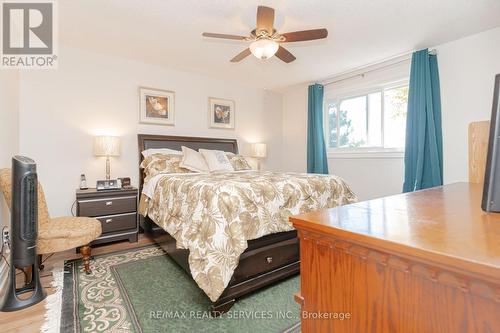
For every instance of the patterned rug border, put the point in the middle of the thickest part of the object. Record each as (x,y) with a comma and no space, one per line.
(68,315)
(103,255)
(69,322)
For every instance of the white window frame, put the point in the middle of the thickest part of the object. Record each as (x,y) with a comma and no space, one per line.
(361,152)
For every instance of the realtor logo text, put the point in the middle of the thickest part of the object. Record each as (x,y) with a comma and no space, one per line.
(28,35)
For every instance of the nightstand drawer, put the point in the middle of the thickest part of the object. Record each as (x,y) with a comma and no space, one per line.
(106,206)
(112,223)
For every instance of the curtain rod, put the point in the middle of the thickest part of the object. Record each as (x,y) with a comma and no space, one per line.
(364,70)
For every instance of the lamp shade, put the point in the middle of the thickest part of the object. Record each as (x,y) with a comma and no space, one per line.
(259,150)
(106,146)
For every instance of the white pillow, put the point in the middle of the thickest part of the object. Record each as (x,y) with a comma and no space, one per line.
(216,160)
(192,160)
(149,152)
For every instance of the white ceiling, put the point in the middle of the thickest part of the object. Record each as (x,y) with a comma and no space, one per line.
(168,32)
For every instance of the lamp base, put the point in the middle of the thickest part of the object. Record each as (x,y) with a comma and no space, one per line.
(254,163)
(108,169)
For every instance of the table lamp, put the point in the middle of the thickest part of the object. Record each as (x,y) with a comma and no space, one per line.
(107,146)
(259,151)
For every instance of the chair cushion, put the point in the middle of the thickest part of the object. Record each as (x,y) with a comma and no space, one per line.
(64,233)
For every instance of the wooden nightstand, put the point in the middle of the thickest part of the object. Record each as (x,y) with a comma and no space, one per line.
(116,209)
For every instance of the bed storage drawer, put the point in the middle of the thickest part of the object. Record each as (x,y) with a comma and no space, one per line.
(107,206)
(267,258)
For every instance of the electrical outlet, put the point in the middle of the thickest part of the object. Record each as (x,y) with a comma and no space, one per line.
(5,238)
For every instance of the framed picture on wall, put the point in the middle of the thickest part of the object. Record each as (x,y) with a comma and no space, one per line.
(156,106)
(221,113)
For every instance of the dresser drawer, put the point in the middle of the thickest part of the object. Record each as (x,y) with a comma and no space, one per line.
(106,206)
(112,223)
(267,258)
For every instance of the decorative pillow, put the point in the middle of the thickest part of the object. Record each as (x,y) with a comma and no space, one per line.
(162,163)
(216,160)
(238,162)
(193,160)
(165,151)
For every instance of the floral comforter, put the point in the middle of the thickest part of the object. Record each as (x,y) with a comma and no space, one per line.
(214,215)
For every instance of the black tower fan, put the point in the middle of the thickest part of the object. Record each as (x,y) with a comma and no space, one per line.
(24,225)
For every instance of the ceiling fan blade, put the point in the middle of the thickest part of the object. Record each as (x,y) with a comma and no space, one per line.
(285,55)
(242,55)
(265,20)
(212,35)
(299,36)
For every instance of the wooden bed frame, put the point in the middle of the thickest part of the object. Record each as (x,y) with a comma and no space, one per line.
(266,260)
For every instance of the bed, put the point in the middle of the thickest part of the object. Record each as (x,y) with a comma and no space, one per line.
(245,253)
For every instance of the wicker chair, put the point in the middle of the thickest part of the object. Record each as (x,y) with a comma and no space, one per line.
(60,233)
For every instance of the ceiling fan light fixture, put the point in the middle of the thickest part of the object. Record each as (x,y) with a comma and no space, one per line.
(266,41)
(264,48)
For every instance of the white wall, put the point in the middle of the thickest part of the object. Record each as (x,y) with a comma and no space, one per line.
(295,129)
(271,130)
(94,94)
(467,68)
(9,125)
(9,142)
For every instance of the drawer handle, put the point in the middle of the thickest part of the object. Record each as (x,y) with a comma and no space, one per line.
(109,203)
(269,260)
(108,220)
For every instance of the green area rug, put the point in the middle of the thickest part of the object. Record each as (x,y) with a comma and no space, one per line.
(143,290)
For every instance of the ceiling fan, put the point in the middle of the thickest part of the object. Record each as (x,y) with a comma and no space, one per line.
(265,40)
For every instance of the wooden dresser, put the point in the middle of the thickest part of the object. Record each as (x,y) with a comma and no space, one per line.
(424,262)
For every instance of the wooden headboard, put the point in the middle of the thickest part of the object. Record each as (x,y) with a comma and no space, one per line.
(478,150)
(147,141)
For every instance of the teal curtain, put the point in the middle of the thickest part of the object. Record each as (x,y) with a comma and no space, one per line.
(316,149)
(424,138)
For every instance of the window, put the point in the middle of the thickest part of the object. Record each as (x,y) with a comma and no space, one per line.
(375,119)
